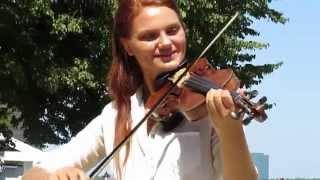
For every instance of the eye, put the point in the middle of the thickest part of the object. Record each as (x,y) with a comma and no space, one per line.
(149,36)
(173,30)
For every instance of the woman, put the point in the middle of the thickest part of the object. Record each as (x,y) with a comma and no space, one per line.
(149,39)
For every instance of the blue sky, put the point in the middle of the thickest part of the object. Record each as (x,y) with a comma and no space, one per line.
(291,135)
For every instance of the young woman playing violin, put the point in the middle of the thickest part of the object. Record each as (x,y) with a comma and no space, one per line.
(149,39)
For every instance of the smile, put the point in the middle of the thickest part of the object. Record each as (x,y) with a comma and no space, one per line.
(166,55)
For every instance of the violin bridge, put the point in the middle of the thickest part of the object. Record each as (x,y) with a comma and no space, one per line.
(177,75)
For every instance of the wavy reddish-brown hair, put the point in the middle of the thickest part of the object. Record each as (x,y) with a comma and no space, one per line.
(125,75)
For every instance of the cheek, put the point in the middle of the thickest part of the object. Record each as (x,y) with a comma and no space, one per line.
(143,50)
(144,54)
(181,41)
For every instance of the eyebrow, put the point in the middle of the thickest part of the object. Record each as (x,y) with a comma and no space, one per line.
(146,31)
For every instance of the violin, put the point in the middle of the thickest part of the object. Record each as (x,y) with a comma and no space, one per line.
(188,97)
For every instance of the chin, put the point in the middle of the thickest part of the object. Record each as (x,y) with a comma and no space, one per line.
(169,66)
(174,63)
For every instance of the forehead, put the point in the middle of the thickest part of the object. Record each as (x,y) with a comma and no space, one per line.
(154,17)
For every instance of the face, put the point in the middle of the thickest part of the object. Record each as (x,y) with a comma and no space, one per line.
(157,40)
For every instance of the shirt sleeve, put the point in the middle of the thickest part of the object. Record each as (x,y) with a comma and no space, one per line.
(86,148)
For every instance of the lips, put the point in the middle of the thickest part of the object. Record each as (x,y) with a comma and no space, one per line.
(166,56)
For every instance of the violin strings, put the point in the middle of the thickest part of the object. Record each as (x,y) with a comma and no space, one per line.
(203,85)
(199,84)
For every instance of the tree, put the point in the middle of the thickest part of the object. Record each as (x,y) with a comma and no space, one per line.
(53,61)
(54,55)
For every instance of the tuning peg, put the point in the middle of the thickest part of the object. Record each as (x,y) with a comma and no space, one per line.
(262,100)
(251,94)
(247,120)
(261,115)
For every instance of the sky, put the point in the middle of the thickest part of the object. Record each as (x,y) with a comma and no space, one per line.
(291,135)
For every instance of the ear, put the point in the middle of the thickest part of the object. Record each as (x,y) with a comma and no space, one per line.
(126,44)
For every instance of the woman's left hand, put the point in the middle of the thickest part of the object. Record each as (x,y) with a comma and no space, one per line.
(220,105)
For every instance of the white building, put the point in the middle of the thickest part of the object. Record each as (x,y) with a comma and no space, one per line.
(14,163)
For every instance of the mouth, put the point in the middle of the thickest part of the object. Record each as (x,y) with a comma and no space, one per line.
(166,57)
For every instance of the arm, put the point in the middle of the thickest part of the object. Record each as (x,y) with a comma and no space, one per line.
(36,173)
(81,153)
(68,173)
(237,163)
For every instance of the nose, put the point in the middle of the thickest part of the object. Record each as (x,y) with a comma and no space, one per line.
(164,41)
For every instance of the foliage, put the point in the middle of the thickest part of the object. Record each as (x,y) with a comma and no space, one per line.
(54,55)
(6,116)
(53,61)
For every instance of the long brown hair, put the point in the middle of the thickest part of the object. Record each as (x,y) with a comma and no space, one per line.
(125,75)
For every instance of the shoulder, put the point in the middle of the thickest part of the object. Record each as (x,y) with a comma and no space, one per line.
(106,116)
(108,111)
(104,123)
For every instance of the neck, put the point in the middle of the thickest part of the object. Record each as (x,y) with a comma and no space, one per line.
(149,83)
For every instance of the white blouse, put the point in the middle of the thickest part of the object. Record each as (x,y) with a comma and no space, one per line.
(189,152)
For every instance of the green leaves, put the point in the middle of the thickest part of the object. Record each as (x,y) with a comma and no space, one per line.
(39,7)
(64,24)
(53,63)
(77,76)
(7,115)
